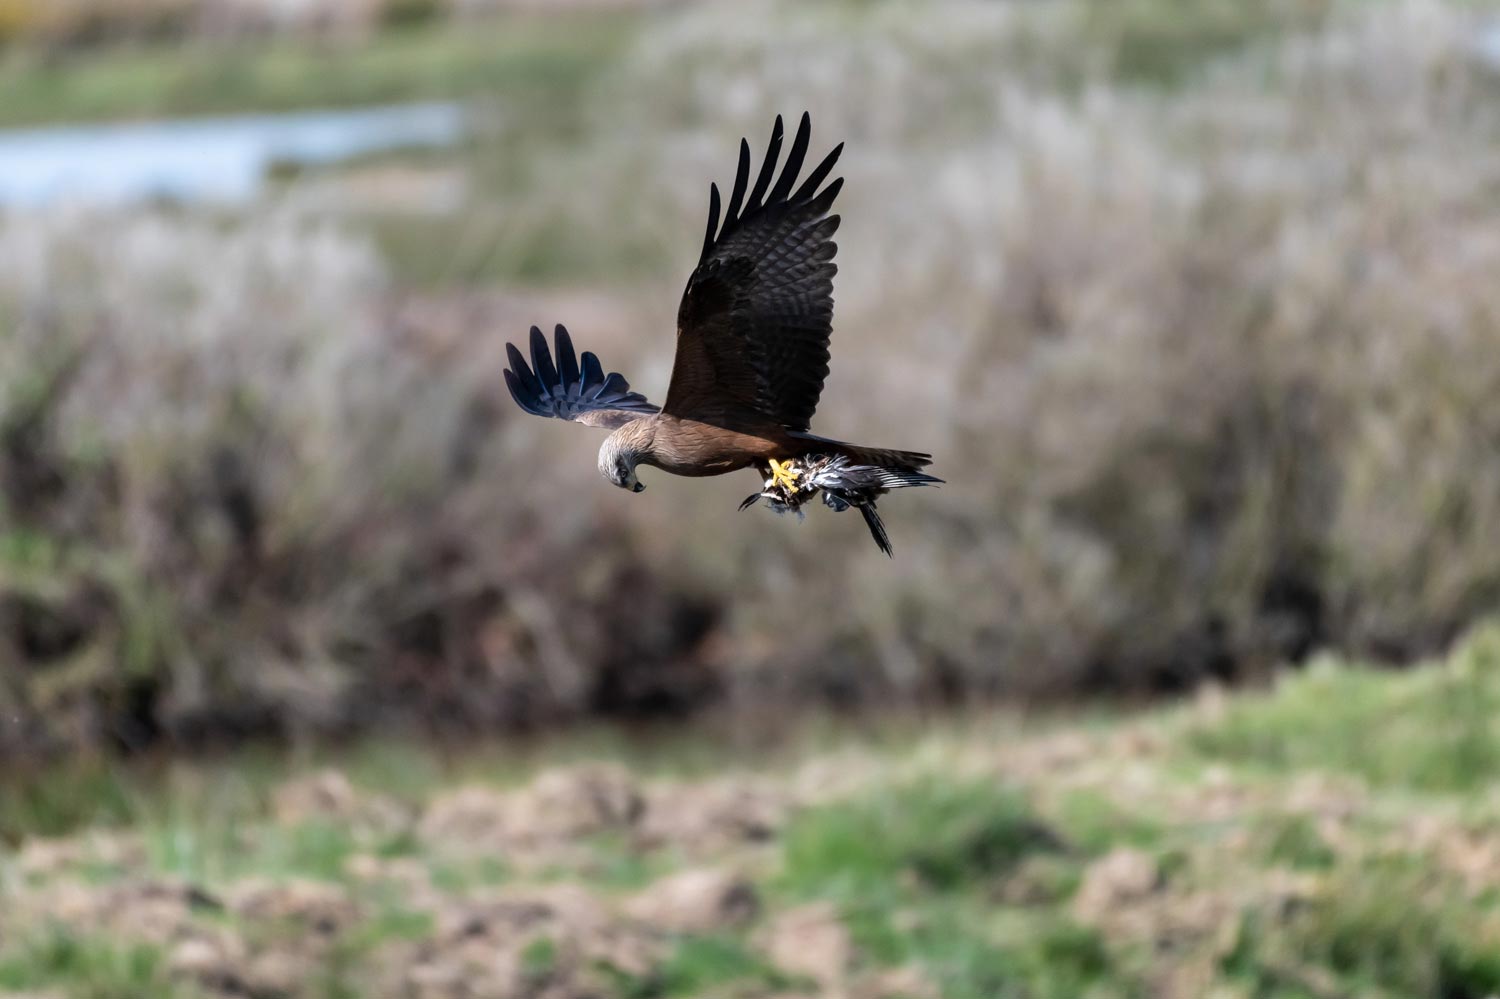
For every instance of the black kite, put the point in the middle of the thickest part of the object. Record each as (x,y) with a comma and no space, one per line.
(752,354)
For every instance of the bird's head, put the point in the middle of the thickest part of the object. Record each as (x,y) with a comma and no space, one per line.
(617,464)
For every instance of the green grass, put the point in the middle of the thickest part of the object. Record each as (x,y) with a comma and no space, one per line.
(68,796)
(1401,931)
(1428,730)
(616,865)
(86,967)
(915,871)
(456,875)
(945,836)
(979,883)
(1092,822)
(523,58)
(973,950)
(699,965)
(234,788)
(1294,841)
(1382,928)
(217,851)
(539,959)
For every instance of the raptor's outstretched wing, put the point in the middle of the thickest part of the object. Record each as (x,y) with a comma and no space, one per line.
(753,327)
(570,392)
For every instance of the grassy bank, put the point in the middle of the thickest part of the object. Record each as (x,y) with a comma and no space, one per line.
(123,70)
(515,57)
(1330,837)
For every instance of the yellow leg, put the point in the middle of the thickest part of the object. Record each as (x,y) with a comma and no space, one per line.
(783,474)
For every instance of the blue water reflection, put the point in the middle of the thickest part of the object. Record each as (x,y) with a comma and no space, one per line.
(221,159)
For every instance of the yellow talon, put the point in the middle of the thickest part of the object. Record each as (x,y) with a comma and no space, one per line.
(783,474)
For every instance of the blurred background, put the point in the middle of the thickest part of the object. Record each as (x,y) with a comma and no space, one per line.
(1197,304)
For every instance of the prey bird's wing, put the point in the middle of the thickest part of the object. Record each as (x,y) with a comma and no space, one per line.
(568,391)
(753,327)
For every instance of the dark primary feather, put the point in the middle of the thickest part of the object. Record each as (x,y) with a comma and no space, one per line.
(565,390)
(756,316)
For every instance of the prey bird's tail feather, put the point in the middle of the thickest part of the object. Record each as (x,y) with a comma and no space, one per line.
(877,527)
(859,475)
(900,476)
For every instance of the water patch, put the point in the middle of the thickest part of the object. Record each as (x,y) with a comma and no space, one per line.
(219,159)
(1487,43)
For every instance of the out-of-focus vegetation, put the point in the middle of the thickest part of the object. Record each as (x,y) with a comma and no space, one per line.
(1196,304)
(547,58)
(1204,347)
(66,25)
(1224,848)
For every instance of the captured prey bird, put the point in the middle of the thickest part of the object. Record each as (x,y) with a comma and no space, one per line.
(752,355)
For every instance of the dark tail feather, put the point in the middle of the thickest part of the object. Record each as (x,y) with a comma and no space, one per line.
(886,458)
(877,528)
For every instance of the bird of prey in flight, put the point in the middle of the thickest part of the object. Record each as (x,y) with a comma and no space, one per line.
(752,354)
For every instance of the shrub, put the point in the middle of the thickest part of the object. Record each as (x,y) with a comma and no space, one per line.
(1205,368)
(1208,371)
(237,500)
